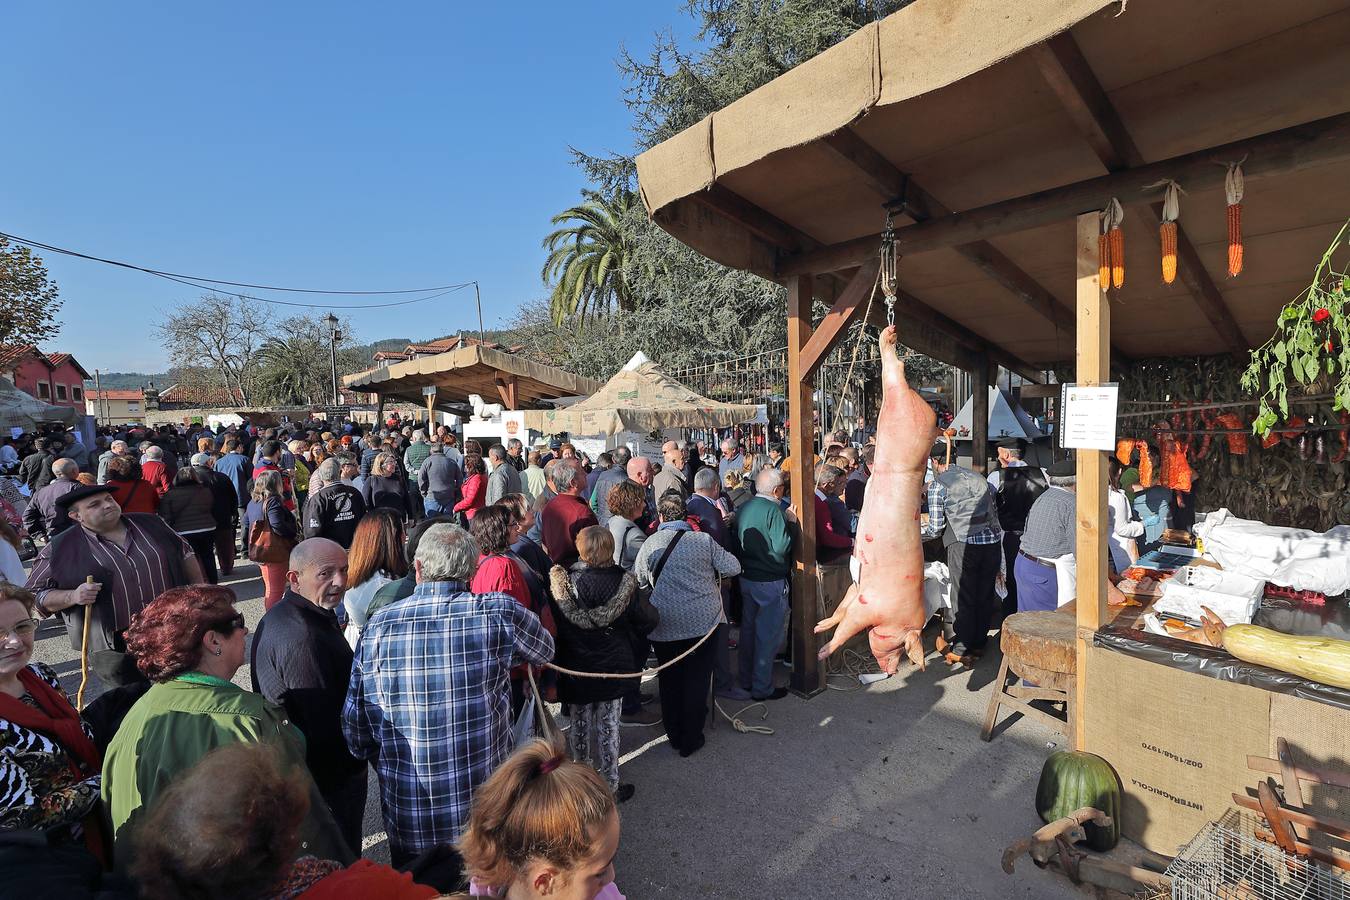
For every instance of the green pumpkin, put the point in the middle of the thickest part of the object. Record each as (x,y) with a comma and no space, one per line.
(1070,780)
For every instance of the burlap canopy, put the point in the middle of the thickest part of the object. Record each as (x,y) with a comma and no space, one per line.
(21,410)
(640,399)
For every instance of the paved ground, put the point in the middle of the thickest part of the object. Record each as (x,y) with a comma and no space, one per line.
(884,792)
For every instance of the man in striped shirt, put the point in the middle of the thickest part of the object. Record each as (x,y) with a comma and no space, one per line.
(110,567)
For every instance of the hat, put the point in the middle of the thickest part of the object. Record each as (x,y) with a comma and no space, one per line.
(201,459)
(540,443)
(1009,444)
(555,444)
(1128,477)
(66,500)
(1063,469)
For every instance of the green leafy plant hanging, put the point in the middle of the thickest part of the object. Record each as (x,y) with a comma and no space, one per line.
(1310,347)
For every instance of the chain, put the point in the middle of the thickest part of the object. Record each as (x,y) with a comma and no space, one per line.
(888,268)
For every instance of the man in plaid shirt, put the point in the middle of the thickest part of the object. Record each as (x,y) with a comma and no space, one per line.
(430,697)
(963,510)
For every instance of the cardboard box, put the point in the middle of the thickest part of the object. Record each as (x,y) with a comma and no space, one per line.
(1179,742)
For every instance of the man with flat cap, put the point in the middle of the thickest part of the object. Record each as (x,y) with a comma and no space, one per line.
(1051,532)
(1016,486)
(110,565)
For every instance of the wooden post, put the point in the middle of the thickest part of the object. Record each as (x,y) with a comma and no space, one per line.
(1094,367)
(431,412)
(979,415)
(379,411)
(805,668)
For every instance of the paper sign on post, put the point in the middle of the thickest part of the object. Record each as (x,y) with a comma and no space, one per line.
(1088,416)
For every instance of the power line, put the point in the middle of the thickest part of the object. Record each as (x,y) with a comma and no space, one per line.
(209,287)
(176,276)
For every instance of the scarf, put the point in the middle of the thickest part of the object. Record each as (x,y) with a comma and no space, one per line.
(54,717)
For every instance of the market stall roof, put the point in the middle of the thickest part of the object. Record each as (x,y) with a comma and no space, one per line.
(640,398)
(992,124)
(22,410)
(1006,419)
(495,375)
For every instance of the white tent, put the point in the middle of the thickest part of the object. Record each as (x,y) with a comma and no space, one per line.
(1006,419)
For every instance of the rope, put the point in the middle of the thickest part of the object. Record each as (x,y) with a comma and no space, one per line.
(645,672)
(862,333)
(739,725)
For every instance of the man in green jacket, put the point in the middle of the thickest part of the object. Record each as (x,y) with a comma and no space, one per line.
(767,535)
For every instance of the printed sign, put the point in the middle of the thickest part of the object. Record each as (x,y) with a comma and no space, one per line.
(1089,416)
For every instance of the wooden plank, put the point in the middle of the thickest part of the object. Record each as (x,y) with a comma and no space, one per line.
(1272,154)
(754,219)
(845,309)
(506,389)
(979,416)
(892,184)
(1070,76)
(1094,358)
(805,679)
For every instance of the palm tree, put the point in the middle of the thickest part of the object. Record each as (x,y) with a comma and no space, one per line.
(588,258)
(284,371)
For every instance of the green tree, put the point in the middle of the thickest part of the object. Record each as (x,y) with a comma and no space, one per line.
(589,257)
(29,300)
(293,367)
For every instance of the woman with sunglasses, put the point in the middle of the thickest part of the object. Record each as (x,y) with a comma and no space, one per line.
(190,643)
(49,766)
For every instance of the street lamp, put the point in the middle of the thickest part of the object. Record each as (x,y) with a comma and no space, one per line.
(332,322)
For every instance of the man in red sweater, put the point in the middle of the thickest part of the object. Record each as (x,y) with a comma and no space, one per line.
(566,514)
(834,543)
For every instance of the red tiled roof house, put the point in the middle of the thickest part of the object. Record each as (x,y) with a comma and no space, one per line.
(55,378)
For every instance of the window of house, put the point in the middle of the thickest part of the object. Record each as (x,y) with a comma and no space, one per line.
(133,407)
(60,392)
(76,393)
(44,390)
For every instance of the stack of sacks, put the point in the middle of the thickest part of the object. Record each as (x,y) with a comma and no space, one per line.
(1290,557)
(1234,597)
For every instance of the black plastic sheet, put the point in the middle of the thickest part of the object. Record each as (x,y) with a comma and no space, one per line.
(1215,663)
(1328,619)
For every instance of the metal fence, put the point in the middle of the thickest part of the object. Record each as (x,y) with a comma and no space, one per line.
(762,379)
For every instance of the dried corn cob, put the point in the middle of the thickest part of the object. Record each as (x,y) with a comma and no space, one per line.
(1233,188)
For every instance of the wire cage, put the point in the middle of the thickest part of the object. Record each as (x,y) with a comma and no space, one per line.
(1227,861)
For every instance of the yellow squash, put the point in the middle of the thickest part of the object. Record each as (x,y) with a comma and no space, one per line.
(1319,659)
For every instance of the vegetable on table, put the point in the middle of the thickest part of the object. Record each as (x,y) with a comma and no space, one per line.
(1073,779)
(1316,658)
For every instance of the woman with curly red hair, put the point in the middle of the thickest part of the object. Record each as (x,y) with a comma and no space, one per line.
(190,642)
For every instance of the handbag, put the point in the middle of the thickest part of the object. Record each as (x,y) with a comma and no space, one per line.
(265,545)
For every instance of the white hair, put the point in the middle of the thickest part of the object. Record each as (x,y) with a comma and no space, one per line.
(447,553)
(65,466)
(419,435)
(564,476)
(769,480)
(705,478)
(1062,480)
(117,446)
(154,452)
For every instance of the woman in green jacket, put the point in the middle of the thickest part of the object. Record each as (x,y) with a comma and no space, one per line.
(190,643)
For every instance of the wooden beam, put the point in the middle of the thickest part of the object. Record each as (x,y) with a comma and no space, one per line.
(1275,153)
(1094,356)
(506,389)
(979,416)
(754,219)
(914,309)
(846,308)
(892,184)
(805,668)
(1070,76)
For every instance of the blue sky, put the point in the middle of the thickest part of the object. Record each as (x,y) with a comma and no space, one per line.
(329,145)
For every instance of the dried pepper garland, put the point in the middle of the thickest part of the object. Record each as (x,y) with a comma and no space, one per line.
(1311,343)
(1233,189)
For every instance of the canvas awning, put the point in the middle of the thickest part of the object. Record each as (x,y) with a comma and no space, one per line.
(643,399)
(991,125)
(1006,419)
(22,410)
(496,376)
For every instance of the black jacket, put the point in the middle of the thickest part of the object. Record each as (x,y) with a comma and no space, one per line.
(36,470)
(301,660)
(388,492)
(224,499)
(334,512)
(600,617)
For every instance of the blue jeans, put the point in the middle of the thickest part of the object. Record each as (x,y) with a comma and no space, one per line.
(764,611)
(1037,586)
(433,508)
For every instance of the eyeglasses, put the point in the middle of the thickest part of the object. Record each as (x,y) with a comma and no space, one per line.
(21,629)
(231,625)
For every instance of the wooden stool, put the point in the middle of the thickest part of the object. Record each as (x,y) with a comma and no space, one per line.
(1038,647)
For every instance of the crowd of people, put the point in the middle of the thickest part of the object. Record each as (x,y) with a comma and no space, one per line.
(414,590)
